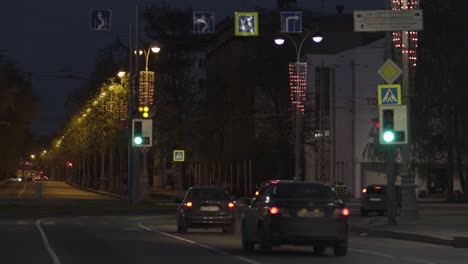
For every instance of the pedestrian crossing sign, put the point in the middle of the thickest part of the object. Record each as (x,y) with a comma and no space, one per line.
(178,155)
(389,94)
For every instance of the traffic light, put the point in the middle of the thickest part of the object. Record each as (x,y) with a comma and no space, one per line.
(393,124)
(144,111)
(142,132)
(137,133)
(388,126)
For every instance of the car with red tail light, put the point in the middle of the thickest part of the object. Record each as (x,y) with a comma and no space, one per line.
(206,207)
(296,213)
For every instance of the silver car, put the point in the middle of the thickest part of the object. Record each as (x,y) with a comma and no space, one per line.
(296,213)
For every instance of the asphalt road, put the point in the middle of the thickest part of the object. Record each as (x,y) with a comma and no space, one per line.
(152,239)
(88,232)
(50,190)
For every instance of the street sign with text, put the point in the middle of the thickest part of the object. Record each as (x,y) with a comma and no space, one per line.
(388,20)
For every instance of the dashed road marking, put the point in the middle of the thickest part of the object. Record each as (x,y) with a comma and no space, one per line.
(200,245)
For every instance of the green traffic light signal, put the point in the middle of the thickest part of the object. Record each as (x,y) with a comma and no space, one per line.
(138,140)
(388,136)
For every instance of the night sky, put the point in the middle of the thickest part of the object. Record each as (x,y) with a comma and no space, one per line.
(53,37)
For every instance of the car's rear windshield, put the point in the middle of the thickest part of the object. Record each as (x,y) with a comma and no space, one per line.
(303,191)
(208,194)
(376,190)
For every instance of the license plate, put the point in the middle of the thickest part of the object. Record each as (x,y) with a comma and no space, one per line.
(209,208)
(375,199)
(311,214)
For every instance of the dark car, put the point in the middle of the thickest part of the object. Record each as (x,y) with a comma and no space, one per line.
(374,199)
(206,207)
(296,213)
(265,184)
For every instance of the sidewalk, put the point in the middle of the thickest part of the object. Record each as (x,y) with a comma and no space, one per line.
(440,230)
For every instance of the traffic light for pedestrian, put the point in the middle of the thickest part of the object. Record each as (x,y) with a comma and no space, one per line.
(393,124)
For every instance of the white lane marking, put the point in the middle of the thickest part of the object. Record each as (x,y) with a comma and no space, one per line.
(214,249)
(200,245)
(49,222)
(24,188)
(420,261)
(49,249)
(248,260)
(169,235)
(19,222)
(371,253)
(390,256)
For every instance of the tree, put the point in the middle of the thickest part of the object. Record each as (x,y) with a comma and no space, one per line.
(18,106)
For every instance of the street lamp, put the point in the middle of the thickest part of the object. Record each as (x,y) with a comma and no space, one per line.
(154,47)
(144,181)
(298,144)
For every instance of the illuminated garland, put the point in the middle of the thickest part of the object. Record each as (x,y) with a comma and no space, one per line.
(412,35)
(297,83)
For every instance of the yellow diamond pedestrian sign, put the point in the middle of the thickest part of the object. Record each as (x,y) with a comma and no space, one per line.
(178,155)
(389,71)
(389,94)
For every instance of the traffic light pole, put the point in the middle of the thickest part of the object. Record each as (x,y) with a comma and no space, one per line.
(409,209)
(391,197)
(130,117)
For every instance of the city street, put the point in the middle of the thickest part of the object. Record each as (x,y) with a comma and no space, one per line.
(152,238)
(83,236)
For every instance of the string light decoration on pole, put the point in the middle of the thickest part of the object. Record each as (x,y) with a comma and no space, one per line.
(146,91)
(297,73)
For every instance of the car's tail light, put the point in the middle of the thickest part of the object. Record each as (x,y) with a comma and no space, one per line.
(364,190)
(377,187)
(345,211)
(274,210)
(231,205)
(188,204)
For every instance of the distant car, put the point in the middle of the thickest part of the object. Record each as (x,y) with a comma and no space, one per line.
(206,207)
(265,184)
(296,213)
(374,199)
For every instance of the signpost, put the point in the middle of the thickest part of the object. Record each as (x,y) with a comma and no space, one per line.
(178,155)
(404,19)
(203,22)
(388,20)
(100,19)
(389,71)
(291,22)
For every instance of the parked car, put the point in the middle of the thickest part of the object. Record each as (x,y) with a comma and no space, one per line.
(374,199)
(296,213)
(206,207)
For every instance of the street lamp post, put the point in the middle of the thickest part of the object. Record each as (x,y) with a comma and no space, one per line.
(298,143)
(144,179)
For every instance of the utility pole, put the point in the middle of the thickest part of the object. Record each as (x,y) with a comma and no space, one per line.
(409,209)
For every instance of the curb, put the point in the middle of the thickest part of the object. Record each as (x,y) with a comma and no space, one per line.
(408,236)
(95,191)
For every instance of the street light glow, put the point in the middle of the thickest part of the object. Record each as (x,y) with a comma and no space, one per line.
(121,74)
(279,41)
(317,38)
(155,49)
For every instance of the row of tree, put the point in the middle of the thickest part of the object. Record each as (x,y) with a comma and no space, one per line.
(18,106)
